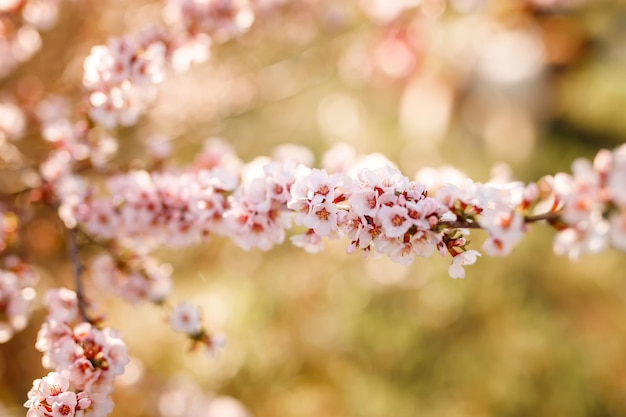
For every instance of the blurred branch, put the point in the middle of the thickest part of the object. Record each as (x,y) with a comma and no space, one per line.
(78,273)
(550,217)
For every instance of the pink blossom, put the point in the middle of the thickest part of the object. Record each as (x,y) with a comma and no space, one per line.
(310,241)
(505,228)
(61,351)
(616,182)
(395,220)
(53,384)
(99,217)
(397,251)
(313,195)
(62,304)
(16,297)
(121,77)
(355,227)
(83,400)
(51,338)
(101,405)
(185,318)
(56,166)
(181,208)
(222,19)
(12,120)
(149,66)
(391,215)
(51,396)
(190,49)
(322,218)
(386,178)
(311,183)
(258,215)
(459,261)
(141,278)
(82,372)
(64,405)
(365,201)
(586,237)
(84,358)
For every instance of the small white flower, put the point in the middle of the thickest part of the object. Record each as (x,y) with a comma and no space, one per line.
(64,404)
(310,241)
(395,220)
(185,318)
(505,227)
(459,261)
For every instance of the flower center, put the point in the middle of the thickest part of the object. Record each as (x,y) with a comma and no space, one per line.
(323,214)
(397,220)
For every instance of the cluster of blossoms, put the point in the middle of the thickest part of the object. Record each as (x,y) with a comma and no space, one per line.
(592,202)
(51,397)
(85,361)
(257,215)
(133,277)
(16,295)
(394,215)
(314,198)
(121,77)
(72,141)
(215,195)
(179,207)
(12,120)
(499,208)
(377,209)
(20,24)
(220,19)
(16,280)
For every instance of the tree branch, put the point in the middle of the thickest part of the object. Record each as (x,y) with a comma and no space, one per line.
(72,248)
(551,216)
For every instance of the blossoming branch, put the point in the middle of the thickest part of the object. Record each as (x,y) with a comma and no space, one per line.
(365,201)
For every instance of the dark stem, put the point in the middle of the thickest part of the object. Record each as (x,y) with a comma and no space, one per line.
(552,216)
(78,274)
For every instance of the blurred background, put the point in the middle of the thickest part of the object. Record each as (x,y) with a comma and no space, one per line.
(468,83)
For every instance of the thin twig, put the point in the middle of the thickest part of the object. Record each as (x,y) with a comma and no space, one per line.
(78,274)
(551,216)
(461,225)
